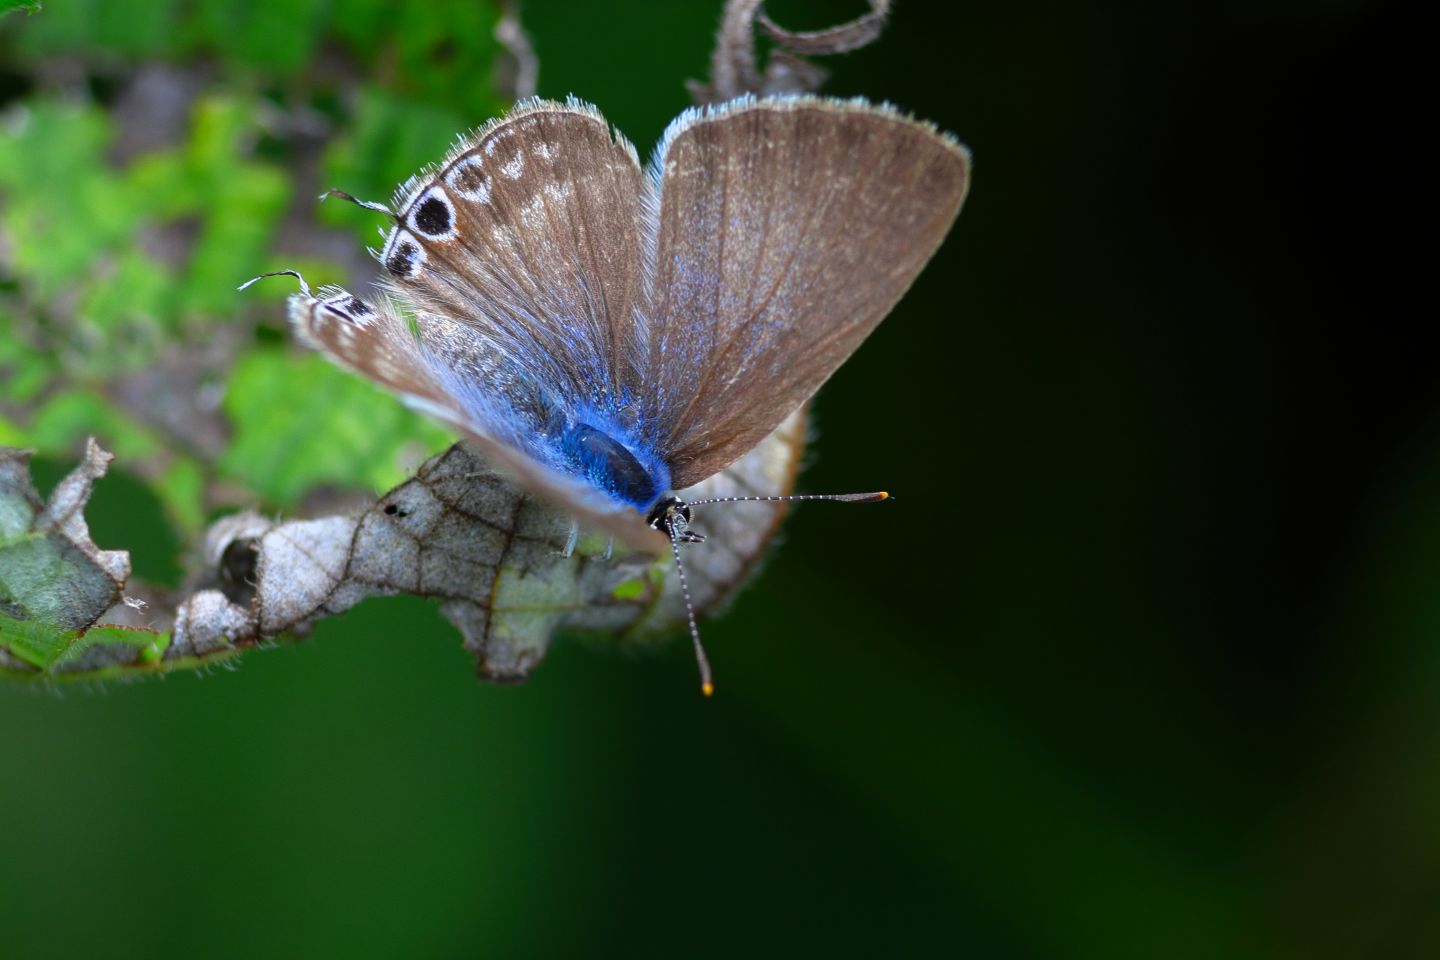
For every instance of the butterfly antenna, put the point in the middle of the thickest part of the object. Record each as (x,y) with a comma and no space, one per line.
(304,287)
(364,204)
(875,497)
(707,684)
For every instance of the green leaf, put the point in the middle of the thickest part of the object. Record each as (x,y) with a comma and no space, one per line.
(301,423)
(129,308)
(24,372)
(10,6)
(49,649)
(18,500)
(241,202)
(79,230)
(279,35)
(73,414)
(165,184)
(54,582)
(391,139)
(101,29)
(235,237)
(63,207)
(629,590)
(46,578)
(38,643)
(182,490)
(151,643)
(10,434)
(435,54)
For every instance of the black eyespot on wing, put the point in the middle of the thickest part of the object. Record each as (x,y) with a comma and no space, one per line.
(348,307)
(468,179)
(401,261)
(433,217)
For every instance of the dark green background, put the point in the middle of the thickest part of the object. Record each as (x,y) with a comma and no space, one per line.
(1140,663)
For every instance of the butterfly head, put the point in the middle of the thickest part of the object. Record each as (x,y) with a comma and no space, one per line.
(671,516)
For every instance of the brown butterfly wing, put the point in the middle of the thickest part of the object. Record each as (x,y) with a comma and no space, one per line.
(378,343)
(530,233)
(788,228)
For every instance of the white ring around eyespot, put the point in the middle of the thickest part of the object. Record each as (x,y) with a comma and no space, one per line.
(417,263)
(454,179)
(340,306)
(420,201)
(515,166)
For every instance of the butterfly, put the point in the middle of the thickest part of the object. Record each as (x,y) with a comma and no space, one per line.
(609,333)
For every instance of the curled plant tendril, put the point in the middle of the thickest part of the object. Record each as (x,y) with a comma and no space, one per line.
(517,70)
(457,531)
(734,65)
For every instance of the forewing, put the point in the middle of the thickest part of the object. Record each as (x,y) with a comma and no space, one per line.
(529,232)
(446,377)
(787,229)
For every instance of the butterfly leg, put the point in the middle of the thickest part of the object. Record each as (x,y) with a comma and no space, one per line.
(572,539)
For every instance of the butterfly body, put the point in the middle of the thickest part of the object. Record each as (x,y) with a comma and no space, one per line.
(610,333)
(608,465)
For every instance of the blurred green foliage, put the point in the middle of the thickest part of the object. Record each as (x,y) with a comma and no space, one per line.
(93,293)
(1128,671)
(272,398)
(127,233)
(38,644)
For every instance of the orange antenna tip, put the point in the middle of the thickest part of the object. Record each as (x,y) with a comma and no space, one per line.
(707,688)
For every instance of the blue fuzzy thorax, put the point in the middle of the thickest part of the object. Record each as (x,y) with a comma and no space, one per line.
(622,470)
(602,442)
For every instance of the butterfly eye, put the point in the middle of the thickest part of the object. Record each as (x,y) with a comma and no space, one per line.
(433,216)
(402,256)
(669,512)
